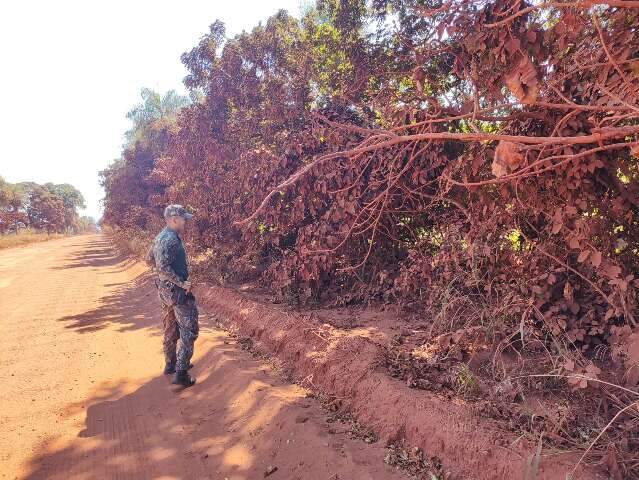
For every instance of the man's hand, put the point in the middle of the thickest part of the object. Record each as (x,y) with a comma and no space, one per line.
(187,286)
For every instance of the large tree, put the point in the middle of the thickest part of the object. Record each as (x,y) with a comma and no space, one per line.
(72,200)
(153,108)
(52,207)
(13,200)
(45,210)
(129,194)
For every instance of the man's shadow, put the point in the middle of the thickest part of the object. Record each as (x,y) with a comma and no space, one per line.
(161,430)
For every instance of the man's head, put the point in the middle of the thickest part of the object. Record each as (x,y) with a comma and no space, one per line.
(176,217)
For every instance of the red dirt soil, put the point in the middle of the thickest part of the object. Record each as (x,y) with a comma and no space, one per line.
(83,396)
(347,365)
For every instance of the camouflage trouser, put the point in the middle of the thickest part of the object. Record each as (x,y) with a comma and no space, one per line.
(180,322)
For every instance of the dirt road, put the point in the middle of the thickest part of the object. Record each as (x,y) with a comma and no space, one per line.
(82,395)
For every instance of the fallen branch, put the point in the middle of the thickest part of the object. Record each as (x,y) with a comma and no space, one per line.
(596,137)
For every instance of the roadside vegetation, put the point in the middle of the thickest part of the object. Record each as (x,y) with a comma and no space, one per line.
(473,163)
(24,237)
(34,213)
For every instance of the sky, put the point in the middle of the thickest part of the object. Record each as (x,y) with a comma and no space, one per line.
(70,70)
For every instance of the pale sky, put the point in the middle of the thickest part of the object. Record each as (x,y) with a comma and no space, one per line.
(70,70)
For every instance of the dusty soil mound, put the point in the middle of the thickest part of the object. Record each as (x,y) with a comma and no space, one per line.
(351,367)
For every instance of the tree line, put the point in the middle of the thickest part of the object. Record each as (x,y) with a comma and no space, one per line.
(51,208)
(370,148)
(472,161)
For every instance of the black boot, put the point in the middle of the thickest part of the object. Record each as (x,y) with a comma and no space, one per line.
(181,377)
(169,368)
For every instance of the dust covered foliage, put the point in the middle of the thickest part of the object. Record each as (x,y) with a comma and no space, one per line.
(28,207)
(473,162)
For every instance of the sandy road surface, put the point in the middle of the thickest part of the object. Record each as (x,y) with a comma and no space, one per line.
(82,396)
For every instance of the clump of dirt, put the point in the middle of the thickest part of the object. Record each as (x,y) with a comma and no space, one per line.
(416,464)
(336,414)
(444,418)
(245,344)
(437,366)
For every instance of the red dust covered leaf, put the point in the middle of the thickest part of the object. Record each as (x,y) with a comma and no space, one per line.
(513,45)
(568,292)
(592,370)
(507,158)
(612,271)
(569,365)
(418,78)
(522,81)
(556,227)
(583,256)
(595,258)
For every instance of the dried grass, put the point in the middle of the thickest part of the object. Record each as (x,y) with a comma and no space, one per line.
(26,237)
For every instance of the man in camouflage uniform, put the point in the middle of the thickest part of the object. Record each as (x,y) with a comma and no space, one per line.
(168,256)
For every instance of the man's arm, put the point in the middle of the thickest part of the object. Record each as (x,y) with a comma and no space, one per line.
(164,253)
(150,256)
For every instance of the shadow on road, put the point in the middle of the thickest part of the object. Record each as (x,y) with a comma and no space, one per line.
(229,425)
(98,253)
(134,305)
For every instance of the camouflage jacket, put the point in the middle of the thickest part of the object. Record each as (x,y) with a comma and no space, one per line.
(168,256)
